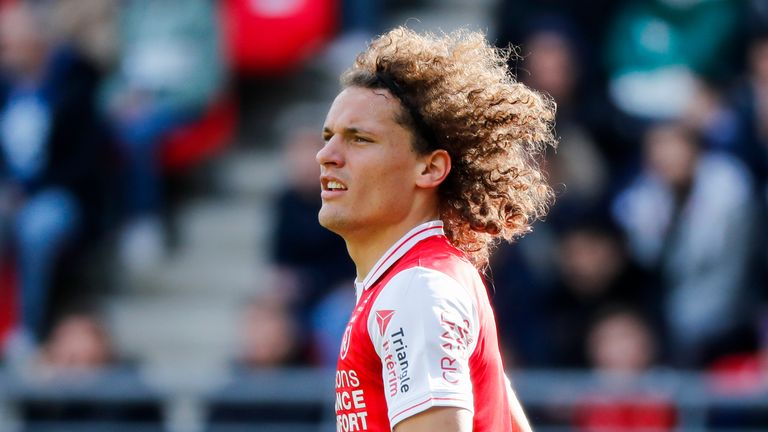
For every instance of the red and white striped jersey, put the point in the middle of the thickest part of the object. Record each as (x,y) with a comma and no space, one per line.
(422,334)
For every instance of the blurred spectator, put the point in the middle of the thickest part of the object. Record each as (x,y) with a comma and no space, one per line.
(77,343)
(50,142)
(750,100)
(573,71)
(757,14)
(169,70)
(656,47)
(547,310)
(553,67)
(327,324)
(269,342)
(621,347)
(310,261)
(517,18)
(269,334)
(620,341)
(79,354)
(91,26)
(710,117)
(519,281)
(691,215)
(593,272)
(579,175)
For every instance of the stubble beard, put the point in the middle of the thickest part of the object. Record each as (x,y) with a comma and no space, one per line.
(332,220)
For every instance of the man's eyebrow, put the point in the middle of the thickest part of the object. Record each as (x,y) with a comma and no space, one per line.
(350,131)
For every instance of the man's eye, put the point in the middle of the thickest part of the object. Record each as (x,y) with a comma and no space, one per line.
(361,139)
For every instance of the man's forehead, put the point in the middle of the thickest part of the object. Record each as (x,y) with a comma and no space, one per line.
(362,106)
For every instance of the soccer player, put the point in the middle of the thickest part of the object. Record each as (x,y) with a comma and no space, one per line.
(431,153)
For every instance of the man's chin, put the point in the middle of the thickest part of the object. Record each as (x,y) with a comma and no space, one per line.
(330,221)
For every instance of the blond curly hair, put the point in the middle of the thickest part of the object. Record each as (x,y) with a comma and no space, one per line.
(458,95)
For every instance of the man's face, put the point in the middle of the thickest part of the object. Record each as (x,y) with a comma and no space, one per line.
(551,65)
(21,41)
(368,165)
(671,155)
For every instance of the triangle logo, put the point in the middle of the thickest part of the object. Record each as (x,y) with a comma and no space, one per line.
(382,319)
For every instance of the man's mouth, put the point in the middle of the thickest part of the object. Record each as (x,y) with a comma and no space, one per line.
(333,185)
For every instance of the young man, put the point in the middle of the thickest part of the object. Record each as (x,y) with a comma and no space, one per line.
(431,153)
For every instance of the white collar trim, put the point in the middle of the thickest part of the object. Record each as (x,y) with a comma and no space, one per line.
(394,253)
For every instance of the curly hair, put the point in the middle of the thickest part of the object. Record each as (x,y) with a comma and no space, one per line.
(458,95)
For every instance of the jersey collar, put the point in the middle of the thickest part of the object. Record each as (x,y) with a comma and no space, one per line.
(394,253)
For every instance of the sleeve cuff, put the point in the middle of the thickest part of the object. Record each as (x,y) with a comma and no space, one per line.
(425,402)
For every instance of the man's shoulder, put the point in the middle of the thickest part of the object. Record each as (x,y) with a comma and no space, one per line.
(432,265)
(437,253)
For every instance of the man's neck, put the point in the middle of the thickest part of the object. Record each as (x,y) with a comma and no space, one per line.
(366,249)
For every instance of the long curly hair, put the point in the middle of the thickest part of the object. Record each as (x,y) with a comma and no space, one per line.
(459,95)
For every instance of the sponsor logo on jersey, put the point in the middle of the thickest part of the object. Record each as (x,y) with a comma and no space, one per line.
(396,363)
(345,342)
(456,339)
(383,317)
(351,406)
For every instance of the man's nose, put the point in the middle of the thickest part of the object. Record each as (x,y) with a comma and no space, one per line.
(331,153)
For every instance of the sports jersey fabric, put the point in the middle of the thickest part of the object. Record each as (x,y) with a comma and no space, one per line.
(422,335)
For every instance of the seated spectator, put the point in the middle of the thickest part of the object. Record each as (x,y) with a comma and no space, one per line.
(620,347)
(587,17)
(620,341)
(50,140)
(748,99)
(578,173)
(77,343)
(578,170)
(269,342)
(268,335)
(169,71)
(757,13)
(91,26)
(79,354)
(594,270)
(713,119)
(327,324)
(691,216)
(519,283)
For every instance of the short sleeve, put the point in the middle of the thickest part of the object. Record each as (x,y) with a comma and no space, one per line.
(424,327)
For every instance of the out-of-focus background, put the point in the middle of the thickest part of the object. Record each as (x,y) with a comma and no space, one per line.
(161,267)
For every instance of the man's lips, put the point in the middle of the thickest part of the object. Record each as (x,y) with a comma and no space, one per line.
(328,183)
(331,186)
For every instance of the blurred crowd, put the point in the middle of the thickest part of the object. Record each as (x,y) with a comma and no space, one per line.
(93,95)
(661,184)
(653,254)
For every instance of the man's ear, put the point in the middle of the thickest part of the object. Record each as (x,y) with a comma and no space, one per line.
(434,168)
